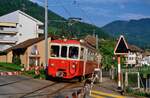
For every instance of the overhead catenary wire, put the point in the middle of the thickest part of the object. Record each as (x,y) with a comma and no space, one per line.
(75,2)
(65,9)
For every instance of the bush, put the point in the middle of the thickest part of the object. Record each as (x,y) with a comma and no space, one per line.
(16,60)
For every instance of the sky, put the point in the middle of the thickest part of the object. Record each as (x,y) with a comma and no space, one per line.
(100,12)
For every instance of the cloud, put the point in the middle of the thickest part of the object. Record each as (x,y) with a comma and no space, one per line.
(128,16)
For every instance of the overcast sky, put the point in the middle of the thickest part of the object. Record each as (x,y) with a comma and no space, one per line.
(100,12)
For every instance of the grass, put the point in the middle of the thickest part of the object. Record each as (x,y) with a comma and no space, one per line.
(31,73)
(9,67)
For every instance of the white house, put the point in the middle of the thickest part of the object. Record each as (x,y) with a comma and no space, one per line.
(134,56)
(146,58)
(17,27)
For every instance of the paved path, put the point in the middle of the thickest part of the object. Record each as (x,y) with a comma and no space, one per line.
(106,89)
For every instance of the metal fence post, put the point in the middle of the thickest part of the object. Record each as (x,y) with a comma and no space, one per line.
(138,80)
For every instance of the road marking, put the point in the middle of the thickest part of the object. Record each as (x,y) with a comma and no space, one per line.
(93,92)
(96,96)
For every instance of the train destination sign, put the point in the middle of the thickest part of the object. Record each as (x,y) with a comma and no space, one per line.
(121,47)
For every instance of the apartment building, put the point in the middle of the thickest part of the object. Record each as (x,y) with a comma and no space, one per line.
(16,27)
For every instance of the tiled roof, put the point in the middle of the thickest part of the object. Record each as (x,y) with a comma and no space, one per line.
(91,40)
(146,53)
(134,48)
(28,43)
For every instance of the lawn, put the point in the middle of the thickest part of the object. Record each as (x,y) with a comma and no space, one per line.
(9,67)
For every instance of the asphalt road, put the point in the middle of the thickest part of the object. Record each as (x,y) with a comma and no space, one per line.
(25,87)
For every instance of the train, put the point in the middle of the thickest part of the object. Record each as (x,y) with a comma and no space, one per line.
(72,58)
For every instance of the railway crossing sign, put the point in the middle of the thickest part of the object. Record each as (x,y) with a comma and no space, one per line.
(121,47)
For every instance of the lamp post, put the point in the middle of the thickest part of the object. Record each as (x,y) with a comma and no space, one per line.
(46,31)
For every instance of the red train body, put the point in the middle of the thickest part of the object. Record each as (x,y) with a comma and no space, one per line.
(71,58)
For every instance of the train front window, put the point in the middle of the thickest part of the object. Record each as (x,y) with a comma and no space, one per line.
(64,51)
(55,51)
(73,52)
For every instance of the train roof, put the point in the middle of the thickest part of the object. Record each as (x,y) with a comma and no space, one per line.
(88,41)
(65,41)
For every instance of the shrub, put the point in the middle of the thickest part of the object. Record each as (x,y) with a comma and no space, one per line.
(16,60)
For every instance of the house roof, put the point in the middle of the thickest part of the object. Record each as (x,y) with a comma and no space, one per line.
(28,43)
(146,53)
(91,40)
(134,48)
(14,17)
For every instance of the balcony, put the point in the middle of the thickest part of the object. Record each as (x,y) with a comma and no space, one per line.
(40,31)
(9,31)
(8,40)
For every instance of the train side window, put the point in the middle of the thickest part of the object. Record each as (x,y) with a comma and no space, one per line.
(82,53)
(64,51)
(55,51)
(73,52)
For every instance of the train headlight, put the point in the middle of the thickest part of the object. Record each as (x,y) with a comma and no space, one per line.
(52,65)
(73,66)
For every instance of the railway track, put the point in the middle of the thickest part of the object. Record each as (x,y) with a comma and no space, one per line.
(17,81)
(47,89)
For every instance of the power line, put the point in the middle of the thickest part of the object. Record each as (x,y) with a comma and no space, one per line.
(64,8)
(83,11)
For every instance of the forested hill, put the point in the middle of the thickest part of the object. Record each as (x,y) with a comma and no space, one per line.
(136,31)
(78,29)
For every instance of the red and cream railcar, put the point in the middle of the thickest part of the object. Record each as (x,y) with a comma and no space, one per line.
(71,58)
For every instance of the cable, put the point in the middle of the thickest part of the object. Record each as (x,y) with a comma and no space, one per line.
(65,9)
(82,10)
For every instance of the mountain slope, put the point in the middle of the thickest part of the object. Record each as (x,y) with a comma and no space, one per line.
(136,31)
(78,29)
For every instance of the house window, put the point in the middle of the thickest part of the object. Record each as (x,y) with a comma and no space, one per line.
(34,59)
(1,28)
(34,50)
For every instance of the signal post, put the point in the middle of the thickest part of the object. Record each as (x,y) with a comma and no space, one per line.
(121,49)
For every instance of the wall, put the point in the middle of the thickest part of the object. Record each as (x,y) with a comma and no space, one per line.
(3,58)
(27,28)
(131,58)
(9,57)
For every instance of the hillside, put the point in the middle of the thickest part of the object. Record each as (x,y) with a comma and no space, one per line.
(78,29)
(136,31)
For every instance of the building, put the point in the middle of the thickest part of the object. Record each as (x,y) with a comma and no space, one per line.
(146,58)
(17,27)
(134,56)
(30,52)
